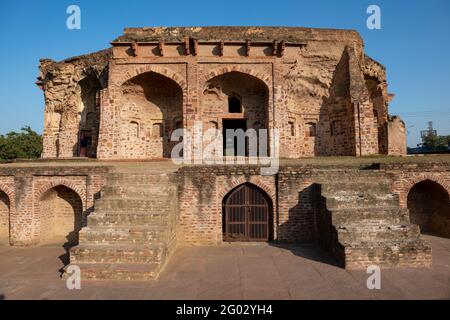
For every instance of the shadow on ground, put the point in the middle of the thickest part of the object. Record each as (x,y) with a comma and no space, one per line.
(309,251)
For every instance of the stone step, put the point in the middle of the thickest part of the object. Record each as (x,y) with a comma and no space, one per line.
(351,188)
(154,253)
(130,235)
(127,218)
(414,253)
(360,233)
(130,204)
(142,192)
(121,271)
(370,215)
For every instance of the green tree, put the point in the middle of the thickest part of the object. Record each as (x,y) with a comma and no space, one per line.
(435,142)
(26,144)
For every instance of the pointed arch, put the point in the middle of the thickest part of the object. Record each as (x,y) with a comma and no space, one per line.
(5,213)
(429,207)
(163,71)
(241,69)
(60,216)
(247,214)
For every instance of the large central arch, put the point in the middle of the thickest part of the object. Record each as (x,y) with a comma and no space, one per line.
(236,100)
(151,109)
(247,214)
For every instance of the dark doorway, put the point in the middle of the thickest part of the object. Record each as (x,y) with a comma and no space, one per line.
(428,204)
(247,214)
(230,142)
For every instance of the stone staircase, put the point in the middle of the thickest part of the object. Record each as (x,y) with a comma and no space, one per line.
(131,233)
(362,223)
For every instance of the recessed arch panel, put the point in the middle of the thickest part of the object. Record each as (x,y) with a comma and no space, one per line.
(247,214)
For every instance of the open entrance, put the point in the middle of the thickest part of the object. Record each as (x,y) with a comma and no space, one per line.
(4,218)
(247,214)
(232,146)
(428,204)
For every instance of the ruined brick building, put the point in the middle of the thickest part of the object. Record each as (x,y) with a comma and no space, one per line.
(316,86)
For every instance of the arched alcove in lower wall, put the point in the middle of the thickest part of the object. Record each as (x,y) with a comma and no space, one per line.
(428,204)
(61,216)
(4,217)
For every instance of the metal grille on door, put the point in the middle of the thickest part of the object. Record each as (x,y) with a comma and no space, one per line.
(246,215)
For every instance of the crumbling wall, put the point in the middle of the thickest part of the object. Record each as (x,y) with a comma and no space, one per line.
(323,94)
(319,118)
(71,115)
(396,136)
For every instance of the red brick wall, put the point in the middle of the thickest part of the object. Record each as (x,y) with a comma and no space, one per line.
(201,192)
(26,189)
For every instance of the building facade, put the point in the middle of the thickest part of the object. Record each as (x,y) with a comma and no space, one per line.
(123,219)
(316,86)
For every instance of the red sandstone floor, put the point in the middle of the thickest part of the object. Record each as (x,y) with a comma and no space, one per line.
(229,272)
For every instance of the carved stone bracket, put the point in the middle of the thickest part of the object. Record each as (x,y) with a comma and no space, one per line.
(275,48)
(135,49)
(195,41)
(282,47)
(221,47)
(187,49)
(161,47)
(248,45)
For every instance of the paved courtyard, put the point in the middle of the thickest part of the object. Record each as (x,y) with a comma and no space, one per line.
(235,271)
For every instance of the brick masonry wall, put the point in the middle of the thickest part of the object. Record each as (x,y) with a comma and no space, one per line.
(27,189)
(294,192)
(201,191)
(405,177)
(313,85)
(396,136)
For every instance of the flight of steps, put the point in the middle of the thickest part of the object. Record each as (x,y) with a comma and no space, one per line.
(362,223)
(130,235)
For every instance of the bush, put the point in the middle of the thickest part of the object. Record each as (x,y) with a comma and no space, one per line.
(26,144)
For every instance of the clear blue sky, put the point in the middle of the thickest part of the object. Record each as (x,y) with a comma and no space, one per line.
(414,44)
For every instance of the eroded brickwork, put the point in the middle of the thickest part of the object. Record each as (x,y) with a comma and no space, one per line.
(317,87)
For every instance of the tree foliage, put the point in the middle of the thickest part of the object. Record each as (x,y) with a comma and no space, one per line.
(435,142)
(26,144)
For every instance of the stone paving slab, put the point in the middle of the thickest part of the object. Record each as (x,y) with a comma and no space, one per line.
(231,271)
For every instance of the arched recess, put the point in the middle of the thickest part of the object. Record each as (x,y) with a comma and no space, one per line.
(152,100)
(61,216)
(429,207)
(5,205)
(90,116)
(165,72)
(247,214)
(238,100)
